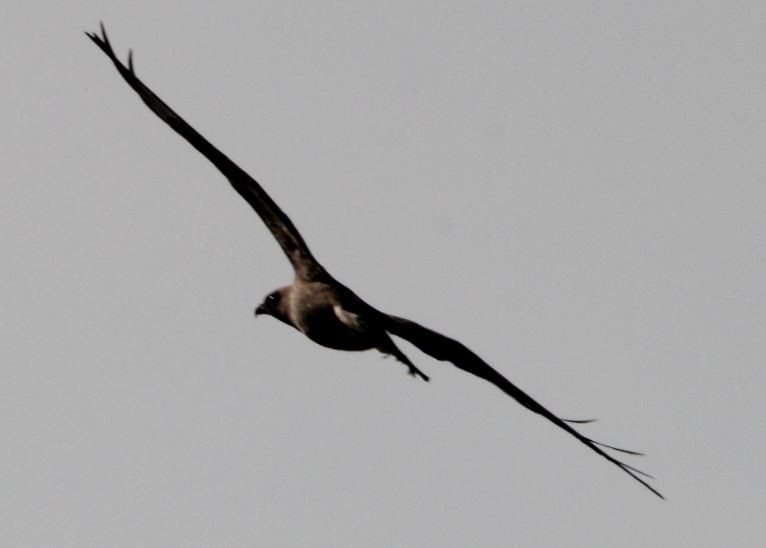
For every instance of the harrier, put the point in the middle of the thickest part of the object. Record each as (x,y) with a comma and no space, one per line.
(325,310)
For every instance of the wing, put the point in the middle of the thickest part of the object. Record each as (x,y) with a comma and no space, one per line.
(446,349)
(288,237)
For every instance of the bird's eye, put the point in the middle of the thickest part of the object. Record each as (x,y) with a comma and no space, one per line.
(271,298)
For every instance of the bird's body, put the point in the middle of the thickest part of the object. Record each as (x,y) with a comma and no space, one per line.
(327,317)
(333,316)
(328,312)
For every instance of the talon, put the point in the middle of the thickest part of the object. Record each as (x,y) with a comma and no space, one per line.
(415,372)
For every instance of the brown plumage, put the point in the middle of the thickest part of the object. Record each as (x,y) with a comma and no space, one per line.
(325,310)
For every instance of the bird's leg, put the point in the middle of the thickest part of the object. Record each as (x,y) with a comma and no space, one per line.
(411,369)
(389,348)
(415,372)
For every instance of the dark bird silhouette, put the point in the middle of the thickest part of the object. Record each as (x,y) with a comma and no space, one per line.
(325,310)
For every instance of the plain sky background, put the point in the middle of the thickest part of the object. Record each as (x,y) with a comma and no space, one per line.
(573,189)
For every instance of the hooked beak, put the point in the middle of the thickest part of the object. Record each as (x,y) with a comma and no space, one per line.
(260,310)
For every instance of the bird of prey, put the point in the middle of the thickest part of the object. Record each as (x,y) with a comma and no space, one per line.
(325,310)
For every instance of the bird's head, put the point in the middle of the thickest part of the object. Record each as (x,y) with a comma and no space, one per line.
(275,304)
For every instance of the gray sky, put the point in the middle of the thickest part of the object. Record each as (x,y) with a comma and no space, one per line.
(574,190)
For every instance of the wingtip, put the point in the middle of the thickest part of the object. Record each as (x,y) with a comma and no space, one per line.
(653,490)
(579,421)
(620,449)
(102,41)
(635,473)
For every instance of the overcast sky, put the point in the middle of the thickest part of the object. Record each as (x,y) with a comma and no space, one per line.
(574,190)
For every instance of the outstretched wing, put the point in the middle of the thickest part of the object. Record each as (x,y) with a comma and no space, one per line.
(446,349)
(288,237)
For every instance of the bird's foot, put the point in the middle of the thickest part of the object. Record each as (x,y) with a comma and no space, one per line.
(415,372)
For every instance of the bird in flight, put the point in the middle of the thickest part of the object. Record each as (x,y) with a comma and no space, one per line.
(325,310)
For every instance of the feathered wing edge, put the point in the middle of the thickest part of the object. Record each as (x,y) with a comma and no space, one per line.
(288,237)
(445,349)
